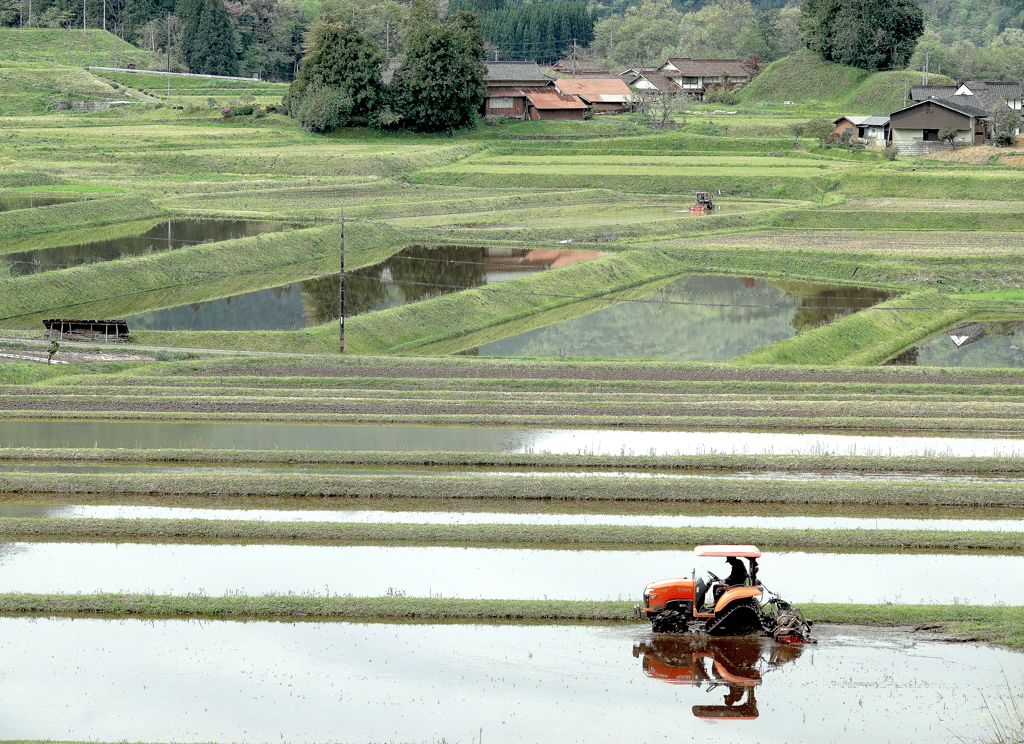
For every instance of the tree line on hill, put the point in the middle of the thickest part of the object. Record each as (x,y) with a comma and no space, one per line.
(435,85)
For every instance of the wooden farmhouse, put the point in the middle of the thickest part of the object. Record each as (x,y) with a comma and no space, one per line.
(609,95)
(698,76)
(647,79)
(915,129)
(521,90)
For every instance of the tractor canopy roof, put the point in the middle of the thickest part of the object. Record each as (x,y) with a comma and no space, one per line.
(726,551)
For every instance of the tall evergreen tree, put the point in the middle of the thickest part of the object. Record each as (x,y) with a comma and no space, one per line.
(215,47)
(338,56)
(870,34)
(440,85)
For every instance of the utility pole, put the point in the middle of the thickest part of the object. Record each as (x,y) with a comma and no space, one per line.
(83,16)
(69,43)
(104,15)
(168,58)
(341,286)
(926,54)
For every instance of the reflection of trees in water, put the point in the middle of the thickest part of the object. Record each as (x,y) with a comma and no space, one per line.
(701,318)
(409,276)
(820,304)
(452,266)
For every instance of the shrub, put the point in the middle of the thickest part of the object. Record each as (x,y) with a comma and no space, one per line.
(722,95)
(323,108)
(707,128)
(889,152)
(948,135)
(821,129)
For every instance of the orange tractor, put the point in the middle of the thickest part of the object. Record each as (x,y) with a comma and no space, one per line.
(720,607)
(704,204)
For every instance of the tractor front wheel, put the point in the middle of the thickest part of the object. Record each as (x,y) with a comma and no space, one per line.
(669,621)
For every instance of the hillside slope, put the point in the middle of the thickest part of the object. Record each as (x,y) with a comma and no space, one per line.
(54,47)
(803,77)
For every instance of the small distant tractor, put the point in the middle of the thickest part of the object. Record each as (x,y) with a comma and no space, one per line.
(723,608)
(704,204)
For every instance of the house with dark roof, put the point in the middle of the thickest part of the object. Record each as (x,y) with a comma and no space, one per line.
(509,86)
(698,76)
(977,93)
(915,129)
(647,80)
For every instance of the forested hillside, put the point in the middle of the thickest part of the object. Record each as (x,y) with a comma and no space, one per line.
(962,38)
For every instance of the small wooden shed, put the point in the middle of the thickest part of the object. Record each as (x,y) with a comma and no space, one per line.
(86,330)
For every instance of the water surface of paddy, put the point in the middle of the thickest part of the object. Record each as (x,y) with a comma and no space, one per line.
(413,274)
(185,681)
(695,318)
(344,437)
(117,511)
(485,573)
(975,344)
(166,236)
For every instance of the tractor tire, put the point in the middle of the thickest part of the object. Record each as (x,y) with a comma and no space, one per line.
(741,618)
(669,621)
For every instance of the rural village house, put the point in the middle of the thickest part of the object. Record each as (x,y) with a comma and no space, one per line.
(521,90)
(698,76)
(915,129)
(872,130)
(601,94)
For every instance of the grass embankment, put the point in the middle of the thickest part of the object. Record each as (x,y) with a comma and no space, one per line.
(538,487)
(870,336)
(48,47)
(550,537)
(1000,625)
(402,329)
(255,257)
(35,90)
(647,463)
(770,178)
(197,92)
(18,224)
(804,78)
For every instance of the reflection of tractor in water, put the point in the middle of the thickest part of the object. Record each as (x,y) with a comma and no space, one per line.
(722,607)
(734,663)
(704,204)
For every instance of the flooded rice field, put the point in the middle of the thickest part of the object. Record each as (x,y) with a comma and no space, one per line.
(765,475)
(365,516)
(991,344)
(413,274)
(166,236)
(694,318)
(490,573)
(185,681)
(150,434)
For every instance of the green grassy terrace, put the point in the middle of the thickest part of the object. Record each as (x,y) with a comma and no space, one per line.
(200,531)
(998,625)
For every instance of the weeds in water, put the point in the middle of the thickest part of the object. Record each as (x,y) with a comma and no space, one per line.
(1003,721)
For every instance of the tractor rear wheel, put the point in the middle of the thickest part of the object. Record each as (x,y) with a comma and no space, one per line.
(739,618)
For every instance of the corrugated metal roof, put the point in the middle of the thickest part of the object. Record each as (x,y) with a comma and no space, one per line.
(555,101)
(526,71)
(875,121)
(707,67)
(603,90)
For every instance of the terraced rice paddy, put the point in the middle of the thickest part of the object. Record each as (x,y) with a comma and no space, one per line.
(464,538)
